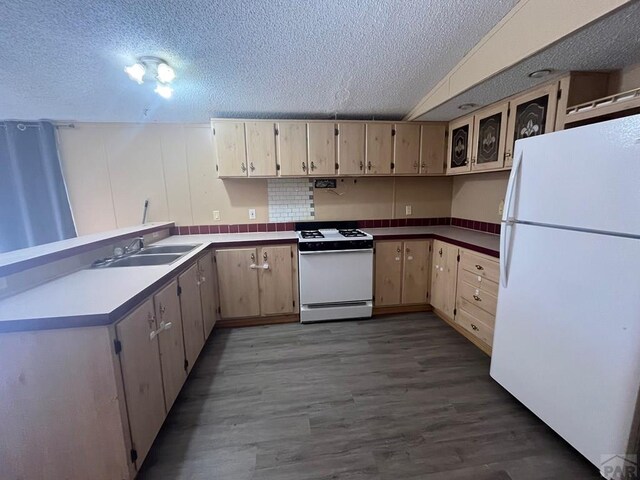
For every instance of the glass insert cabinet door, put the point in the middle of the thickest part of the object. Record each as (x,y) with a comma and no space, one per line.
(531,114)
(489,141)
(459,145)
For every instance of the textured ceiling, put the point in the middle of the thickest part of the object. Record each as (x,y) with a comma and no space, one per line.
(64,60)
(608,44)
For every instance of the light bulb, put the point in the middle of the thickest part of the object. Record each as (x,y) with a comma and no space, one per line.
(166,74)
(165,91)
(136,72)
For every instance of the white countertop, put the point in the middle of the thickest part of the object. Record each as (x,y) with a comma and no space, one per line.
(475,239)
(100,296)
(10,261)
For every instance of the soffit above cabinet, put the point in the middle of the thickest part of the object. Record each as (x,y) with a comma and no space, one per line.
(608,44)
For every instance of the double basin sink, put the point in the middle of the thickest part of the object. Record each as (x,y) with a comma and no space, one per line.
(153,255)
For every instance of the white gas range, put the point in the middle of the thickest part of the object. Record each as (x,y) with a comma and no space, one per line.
(336,271)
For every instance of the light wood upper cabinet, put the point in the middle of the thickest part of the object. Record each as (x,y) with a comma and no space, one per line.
(322,148)
(291,142)
(433,148)
(191,308)
(239,291)
(460,145)
(351,148)
(489,135)
(388,273)
(142,376)
(530,115)
(444,269)
(406,149)
(276,281)
(170,340)
(208,293)
(230,148)
(379,148)
(261,148)
(417,272)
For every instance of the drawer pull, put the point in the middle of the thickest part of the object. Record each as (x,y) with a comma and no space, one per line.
(477,298)
(474,327)
(479,267)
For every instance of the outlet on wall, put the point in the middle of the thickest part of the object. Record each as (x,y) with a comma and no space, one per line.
(501,207)
(216,215)
(407,209)
(252,214)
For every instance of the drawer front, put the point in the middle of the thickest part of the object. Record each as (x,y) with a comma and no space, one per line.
(478,297)
(474,326)
(478,281)
(483,316)
(483,266)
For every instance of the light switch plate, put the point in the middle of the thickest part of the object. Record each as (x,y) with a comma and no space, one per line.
(407,209)
(216,215)
(252,214)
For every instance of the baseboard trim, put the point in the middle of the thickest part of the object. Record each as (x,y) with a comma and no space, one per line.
(256,321)
(477,342)
(395,309)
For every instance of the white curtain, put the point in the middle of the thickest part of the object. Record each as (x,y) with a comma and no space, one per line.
(34,206)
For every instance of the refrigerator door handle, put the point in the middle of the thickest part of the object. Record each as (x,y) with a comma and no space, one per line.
(510,189)
(508,221)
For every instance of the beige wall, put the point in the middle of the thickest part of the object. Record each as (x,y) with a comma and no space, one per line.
(477,197)
(625,79)
(110,169)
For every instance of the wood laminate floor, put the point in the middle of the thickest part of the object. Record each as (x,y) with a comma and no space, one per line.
(399,397)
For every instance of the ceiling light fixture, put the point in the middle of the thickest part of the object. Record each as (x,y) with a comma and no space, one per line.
(153,67)
(540,73)
(467,106)
(136,72)
(166,74)
(165,91)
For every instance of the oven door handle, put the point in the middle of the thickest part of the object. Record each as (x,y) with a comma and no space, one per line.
(318,252)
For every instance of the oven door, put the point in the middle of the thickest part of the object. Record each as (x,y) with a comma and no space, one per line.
(336,276)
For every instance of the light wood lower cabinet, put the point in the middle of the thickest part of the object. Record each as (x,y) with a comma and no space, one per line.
(257,281)
(402,272)
(142,377)
(171,341)
(444,266)
(239,293)
(276,280)
(208,292)
(191,308)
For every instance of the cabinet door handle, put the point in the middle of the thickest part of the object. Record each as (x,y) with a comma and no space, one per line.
(398,249)
(423,166)
(313,167)
(361,165)
(474,327)
(304,167)
(369,166)
(243,168)
(477,298)
(264,256)
(415,165)
(162,310)
(251,167)
(253,257)
(479,267)
(507,154)
(440,252)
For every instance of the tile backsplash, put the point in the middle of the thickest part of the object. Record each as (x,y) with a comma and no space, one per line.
(290,199)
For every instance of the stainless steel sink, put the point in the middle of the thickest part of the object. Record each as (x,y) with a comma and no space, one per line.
(155,249)
(144,260)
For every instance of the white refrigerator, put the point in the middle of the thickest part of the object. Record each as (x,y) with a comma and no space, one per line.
(567,333)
